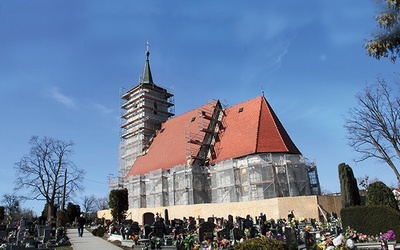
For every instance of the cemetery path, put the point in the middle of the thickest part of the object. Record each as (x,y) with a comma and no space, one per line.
(88,241)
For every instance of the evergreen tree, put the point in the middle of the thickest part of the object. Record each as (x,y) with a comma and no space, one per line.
(73,212)
(348,186)
(386,43)
(118,202)
(380,194)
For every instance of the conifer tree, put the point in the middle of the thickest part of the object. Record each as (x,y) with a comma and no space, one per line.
(348,186)
(118,202)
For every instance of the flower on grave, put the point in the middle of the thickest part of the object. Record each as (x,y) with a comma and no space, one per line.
(279,237)
(188,241)
(351,233)
(196,247)
(224,242)
(307,228)
(389,235)
(269,234)
(350,243)
(338,240)
(294,222)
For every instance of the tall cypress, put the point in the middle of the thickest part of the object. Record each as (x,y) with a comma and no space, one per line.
(348,186)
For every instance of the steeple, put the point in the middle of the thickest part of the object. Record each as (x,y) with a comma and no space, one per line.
(146,76)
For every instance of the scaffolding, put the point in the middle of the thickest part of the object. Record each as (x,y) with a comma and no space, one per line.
(180,186)
(143,109)
(252,177)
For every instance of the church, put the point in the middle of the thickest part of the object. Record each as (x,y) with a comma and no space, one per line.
(209,155)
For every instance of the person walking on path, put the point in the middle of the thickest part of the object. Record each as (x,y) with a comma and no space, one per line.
(81,224)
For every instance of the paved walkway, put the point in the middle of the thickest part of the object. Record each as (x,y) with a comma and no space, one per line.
(88,241)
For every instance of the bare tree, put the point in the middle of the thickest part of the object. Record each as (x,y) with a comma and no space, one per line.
(11,205)
(89,204)
(102,203)
(46,170)
(374,125)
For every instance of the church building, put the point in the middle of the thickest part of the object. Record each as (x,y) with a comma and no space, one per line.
(211,154)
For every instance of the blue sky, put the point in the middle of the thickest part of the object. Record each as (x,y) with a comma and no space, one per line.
(63,63)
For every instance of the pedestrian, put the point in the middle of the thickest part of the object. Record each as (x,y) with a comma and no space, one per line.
(81,224)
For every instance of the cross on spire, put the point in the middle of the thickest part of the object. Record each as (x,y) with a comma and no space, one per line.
(147,45)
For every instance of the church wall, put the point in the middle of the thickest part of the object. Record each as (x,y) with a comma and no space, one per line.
(303,207)
(254,177)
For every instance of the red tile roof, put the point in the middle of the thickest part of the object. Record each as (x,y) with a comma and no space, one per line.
(252,127)
(169,147)
(249,127)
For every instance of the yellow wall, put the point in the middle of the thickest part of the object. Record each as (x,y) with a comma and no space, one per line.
(303,206)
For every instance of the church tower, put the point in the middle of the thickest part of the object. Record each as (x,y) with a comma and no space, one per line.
(144,108)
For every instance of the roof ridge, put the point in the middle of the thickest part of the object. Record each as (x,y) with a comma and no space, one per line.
(258,126)
(274,117)
(208,103)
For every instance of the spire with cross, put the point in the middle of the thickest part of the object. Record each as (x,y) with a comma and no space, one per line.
(146,76)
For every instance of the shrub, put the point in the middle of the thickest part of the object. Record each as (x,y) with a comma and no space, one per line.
(100,232)
(371,220)
(380,194)
(260,244)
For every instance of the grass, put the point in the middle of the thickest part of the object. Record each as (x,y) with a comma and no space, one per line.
(64,248)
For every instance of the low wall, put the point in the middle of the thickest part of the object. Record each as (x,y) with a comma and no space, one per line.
(303,206)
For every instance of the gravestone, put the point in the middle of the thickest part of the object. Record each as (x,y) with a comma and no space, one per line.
(230,219)
(134,228)
(291,238)
(192,224)
(237,234)
(224,233)
(166,217)
(206,231)
(158,229)
(47,235)
(248,222)
(147,230)
(239,222)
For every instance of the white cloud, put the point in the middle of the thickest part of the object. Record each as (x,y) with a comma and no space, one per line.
(56,94)
(102,108)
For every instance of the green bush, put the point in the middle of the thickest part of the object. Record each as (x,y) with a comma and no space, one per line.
(371,220)
(260,244)
(100,231)
(380,194)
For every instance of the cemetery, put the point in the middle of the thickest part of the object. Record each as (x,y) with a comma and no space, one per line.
(156,232)
(161,231)
(32,234)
